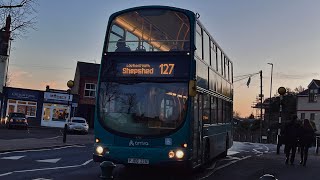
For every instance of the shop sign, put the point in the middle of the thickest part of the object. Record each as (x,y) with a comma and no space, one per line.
(57,97)
(75,105)
(23,95)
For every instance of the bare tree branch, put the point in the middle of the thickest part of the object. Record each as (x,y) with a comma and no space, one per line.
(23,16)
(11,6)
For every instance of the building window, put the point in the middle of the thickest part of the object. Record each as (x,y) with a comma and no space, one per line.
(26,107)
(303,116)
(55,112)
(313,95)
(312,115)
(90,90)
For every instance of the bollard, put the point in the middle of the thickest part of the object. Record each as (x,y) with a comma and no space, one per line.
(106,169)
(278,143)
(65,133)
(268,177)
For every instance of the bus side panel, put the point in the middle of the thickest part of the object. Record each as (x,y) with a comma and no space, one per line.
(217,138)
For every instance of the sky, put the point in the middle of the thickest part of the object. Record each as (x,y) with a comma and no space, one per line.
(251,33)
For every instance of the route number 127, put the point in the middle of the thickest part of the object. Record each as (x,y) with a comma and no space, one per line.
(166,68)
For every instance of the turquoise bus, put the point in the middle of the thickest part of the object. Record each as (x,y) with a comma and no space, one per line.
(165,92)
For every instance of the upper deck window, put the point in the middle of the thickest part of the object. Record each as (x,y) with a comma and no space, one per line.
(149,30)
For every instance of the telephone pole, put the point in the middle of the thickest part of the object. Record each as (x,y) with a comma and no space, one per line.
(261,98)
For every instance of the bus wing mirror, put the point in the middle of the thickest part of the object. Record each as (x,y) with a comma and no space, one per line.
(192,88)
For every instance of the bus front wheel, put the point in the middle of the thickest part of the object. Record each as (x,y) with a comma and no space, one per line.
(225,153)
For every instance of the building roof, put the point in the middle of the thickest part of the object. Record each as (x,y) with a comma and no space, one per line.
(306,92)
(303,93)
(315,81)
(88,69)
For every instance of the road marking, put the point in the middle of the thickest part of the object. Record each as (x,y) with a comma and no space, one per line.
(56,137)
(13,157)
(44,169)
(232,152)
(44,149)
(49,160)
(223,166)
(5,174)
(266,148)
(212,166)
(232,158)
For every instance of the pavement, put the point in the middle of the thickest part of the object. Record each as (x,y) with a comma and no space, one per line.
(48,142)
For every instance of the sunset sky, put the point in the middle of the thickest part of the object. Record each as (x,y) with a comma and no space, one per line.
(252,33)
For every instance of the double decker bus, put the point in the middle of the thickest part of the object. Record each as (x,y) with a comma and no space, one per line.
(165,92)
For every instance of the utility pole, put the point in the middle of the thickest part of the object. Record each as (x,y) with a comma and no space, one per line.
(269,120)
(261,97)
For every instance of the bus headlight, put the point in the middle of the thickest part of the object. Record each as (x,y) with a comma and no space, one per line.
(99,150)
(179,154)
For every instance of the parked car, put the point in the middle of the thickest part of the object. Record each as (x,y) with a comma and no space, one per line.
(14,120)
(78,124)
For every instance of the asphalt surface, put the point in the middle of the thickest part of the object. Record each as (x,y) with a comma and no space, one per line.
(42,155)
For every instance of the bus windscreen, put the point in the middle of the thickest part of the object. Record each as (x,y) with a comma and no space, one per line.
(142,109)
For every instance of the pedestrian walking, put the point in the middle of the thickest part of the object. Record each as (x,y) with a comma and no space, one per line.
(291,135)
(307,137)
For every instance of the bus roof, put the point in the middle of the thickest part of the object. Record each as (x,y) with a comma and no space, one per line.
(152,7)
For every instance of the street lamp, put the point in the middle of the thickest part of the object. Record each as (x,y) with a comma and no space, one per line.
(270,93)
(70,85)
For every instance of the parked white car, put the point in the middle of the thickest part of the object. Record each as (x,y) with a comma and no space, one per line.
(78,124)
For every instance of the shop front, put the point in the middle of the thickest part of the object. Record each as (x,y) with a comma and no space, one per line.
(24,101)
(56,109)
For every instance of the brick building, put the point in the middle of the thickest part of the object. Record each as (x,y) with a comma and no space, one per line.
(85,84)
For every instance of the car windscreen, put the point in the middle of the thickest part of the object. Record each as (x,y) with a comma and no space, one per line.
(78,121)
(18,115)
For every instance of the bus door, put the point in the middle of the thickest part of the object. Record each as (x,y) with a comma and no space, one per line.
(197,129)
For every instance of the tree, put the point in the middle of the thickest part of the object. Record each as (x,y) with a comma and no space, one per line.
(22,13)
(299,89)
(236,114)
(251,116)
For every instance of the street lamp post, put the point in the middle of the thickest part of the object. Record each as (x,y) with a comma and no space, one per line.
(270,94)
(70,84)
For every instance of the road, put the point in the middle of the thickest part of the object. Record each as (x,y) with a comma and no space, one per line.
(244,161)
(247,161)
(8,134)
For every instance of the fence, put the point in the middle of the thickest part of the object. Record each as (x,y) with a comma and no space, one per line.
(254,136)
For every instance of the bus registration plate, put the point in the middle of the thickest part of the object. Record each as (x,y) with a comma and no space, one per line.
(138,161)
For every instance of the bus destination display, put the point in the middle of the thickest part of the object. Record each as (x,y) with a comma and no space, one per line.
(147,69)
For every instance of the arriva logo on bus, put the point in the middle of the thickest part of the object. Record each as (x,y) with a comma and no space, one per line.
(138,143)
